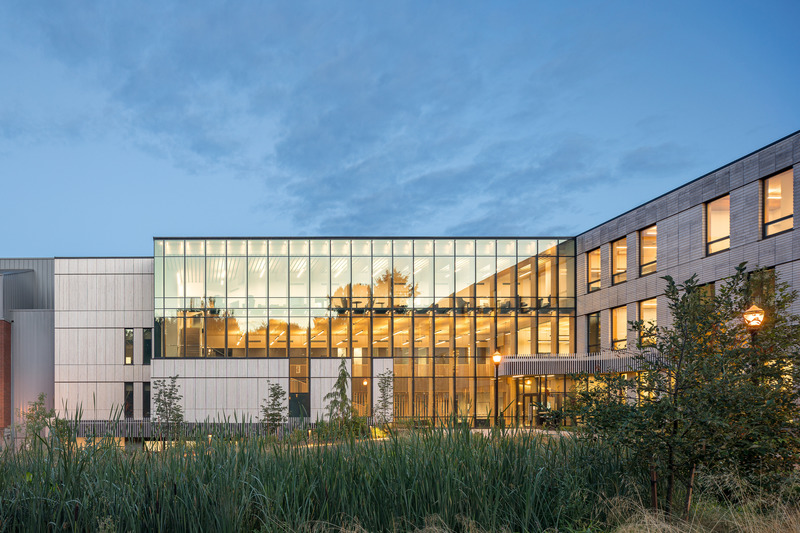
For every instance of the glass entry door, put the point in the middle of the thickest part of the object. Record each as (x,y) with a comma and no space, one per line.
(529,410)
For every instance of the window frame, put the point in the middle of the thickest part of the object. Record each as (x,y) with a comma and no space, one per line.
(128,342)
(599,343)
(764,192)
(709,243)
(621,277)
(128,393)
(647,340)
(653,263)
(594,285)
(619,344)
(147,354)
(146,399)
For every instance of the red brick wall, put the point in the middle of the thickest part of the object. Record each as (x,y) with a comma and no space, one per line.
(5,374)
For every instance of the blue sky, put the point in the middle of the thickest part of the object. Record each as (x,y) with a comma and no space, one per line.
(124,120)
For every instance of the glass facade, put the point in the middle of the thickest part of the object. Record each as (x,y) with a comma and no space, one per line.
(439,307)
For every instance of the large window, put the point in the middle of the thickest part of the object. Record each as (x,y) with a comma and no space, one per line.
(593,270)
(127,406)
(147,345)
(619,261)
(648,245)
(648,314)
(718,225)
(619,328)
(128,346)
(778,203)
(593,332)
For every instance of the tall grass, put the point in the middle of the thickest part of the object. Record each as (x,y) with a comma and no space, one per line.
(461,480)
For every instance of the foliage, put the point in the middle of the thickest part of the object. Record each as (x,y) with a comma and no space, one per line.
(708,395)
(339,407)
(384,407)
(273,411)
(35,419)
(168,409)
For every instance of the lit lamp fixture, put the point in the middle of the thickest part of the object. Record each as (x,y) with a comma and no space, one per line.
(496,358)
(365,382)
(754,317)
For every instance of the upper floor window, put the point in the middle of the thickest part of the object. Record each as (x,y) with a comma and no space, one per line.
(718,225)
(593,332)
(619,328)
(778,203)
(593,270)
(147,345)
(648,246)
(648,314)
(619,261)
(128,346)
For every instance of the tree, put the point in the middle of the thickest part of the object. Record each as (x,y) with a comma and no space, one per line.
(272,410)
(168,408)
(384,407)
(340,410)
(706,393)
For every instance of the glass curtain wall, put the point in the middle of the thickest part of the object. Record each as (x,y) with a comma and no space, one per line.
(439,307)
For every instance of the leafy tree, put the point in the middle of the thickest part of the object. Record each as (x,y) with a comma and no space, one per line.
(35,418)
(707,394)
(273,412)
(168,408)
(340,409)
(384,407)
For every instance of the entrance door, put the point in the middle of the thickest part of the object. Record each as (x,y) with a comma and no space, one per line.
(529,410)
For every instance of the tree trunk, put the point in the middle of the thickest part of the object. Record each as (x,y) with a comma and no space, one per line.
(670,480)
(689,491)
(653,487)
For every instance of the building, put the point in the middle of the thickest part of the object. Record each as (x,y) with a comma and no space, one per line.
(229,316)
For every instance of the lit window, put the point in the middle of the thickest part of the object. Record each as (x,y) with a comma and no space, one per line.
(718,225)
(647,250)
(778,203)
(648,315)
(619,261)
(593,270)
(619,328)
(593,333)
(128,346)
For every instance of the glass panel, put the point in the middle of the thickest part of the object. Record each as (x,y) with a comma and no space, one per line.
(526,326)
(340,247)
(158,248)
(158,277)
(195,336)
(298,247)
(195,247)
(298,336)
(320,330)
(237,247)
(506,284)
(237,282)
(465,279)
(619,328)
(423,397)
(724,244)
(278,247)
(340,282)
(444,247)
(382,247)
(506,335)
(340,337)
(237,343)
(566,343)
(320,247)
(778,202)
(718,222)
(566,247)
(403,247)
(147,345)
(546,281)
(256,280)
(465,247)
(128,346)
(423,281)
(619,260)
(381,336)
(173,336)
(548,247)
(422,346)
(485,247)
(566,277)
(402,340)
(215,279)
(195,281)
(298,282)
(320,276)
(402,285)
(174,277)
(593,325)
(545,334)
(362,283)
(423,247)
(507,247)
(257,329)
(215,247)
(444,281)
(527,248)
(464,340)
(361,330)
(215,336)
(278,278)
(648,243)
(382,282)
(258,247)
(593,269)
(362,248)
(484,345)
(484,287)
(278,340)
(361,395)
(173,247)
(465,397)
